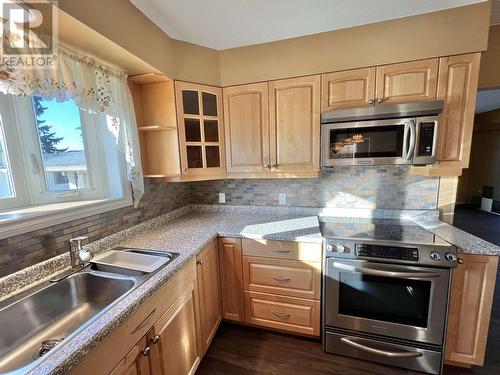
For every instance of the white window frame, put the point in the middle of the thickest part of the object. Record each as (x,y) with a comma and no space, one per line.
(33,206)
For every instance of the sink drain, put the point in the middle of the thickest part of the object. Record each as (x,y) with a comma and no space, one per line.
(46,346)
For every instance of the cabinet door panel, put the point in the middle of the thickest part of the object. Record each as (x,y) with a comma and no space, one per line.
(406,82)
(472,288)
(177,350)
(295,126)
(458,77)
(231,269)
(135,362)
(201,130)
(209,293)
(348,89)
(246,114)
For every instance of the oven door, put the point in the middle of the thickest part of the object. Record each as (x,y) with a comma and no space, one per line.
(368,142)
(399,301)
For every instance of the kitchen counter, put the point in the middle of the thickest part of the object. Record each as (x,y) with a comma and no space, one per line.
(187,235)
(187,231)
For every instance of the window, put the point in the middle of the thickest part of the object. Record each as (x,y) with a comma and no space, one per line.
(54,152)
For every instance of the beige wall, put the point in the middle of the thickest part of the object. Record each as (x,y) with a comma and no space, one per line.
(448,32)
(489,73)
(441,33)
(125,25)
(484,168)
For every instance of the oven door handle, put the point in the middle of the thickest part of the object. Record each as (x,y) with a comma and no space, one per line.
(384,273)
(384,353)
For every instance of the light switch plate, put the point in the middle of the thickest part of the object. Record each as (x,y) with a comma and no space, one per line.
(282,198)
(222,197)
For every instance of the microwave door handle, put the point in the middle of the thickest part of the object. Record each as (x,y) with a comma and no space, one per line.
(384,353)
(384,273)
(413,138)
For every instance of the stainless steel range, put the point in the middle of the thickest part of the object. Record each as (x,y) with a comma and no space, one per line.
(386,289)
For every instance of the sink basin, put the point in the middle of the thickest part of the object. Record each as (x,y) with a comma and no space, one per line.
(133,259)
(35,324)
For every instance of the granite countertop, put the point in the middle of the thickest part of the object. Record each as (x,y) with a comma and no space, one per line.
(187,231)
(187,235)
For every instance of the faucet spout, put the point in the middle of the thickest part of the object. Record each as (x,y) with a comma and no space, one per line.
(75,249)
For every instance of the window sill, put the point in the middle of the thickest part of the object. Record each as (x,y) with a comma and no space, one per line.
(27,219)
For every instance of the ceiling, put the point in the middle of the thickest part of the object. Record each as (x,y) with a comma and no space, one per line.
(222,24)
(487,100)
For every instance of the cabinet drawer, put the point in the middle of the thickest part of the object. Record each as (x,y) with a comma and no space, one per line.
(282,249)
(283,313)
(292,278)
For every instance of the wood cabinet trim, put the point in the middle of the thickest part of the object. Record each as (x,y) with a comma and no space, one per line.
(472,290)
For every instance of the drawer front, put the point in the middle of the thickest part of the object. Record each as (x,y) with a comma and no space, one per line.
(291,278)
(282,249)
(283,313)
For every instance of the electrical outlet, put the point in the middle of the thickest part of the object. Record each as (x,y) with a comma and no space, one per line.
(282,198)
(222,197)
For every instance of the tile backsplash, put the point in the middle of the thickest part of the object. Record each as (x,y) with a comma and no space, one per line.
(26,249)
(389,187)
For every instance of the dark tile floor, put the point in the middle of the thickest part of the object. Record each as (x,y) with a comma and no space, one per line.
(241,350)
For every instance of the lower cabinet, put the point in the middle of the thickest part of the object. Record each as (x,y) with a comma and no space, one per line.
(174,346)
(207,263)
(471,299)
(136,362)
(231,276)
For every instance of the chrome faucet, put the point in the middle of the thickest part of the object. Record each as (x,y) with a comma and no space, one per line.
(78,254)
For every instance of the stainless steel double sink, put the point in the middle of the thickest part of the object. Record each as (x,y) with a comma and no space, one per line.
(33,325)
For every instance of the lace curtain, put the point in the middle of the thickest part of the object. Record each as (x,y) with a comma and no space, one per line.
(95,88)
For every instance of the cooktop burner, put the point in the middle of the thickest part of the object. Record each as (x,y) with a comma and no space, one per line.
(379,229)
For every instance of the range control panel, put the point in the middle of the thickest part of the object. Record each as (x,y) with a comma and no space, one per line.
(387,252)
(390,252)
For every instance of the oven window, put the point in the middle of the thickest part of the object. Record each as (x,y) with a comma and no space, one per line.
(387,299)
(370,142)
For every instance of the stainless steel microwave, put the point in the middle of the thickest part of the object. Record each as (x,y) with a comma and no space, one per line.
(382,134)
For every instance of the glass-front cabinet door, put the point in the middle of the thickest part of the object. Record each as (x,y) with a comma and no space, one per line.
(201,130)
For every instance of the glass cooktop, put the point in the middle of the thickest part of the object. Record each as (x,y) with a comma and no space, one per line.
(379,229)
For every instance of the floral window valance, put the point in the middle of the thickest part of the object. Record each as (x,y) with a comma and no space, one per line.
(96,89)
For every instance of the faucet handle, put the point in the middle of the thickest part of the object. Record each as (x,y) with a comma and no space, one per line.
(78,241)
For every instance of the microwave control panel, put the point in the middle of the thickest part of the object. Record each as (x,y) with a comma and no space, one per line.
(426,140)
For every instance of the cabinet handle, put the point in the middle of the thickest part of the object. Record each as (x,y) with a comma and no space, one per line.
(145,321)
(146,351)
(281,315)
(199,262)
(380,100)
(280,278)
(155,339)
(267,166)
(281,250)
(184,169)
(371,101)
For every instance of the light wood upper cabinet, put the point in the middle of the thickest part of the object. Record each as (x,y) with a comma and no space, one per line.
(201,130)
(154,105)
(348,89)
(472,289)
(209,294)
(407,82)
(246,114)
(177,348)
(458,78)
(231,269)
(295,125)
